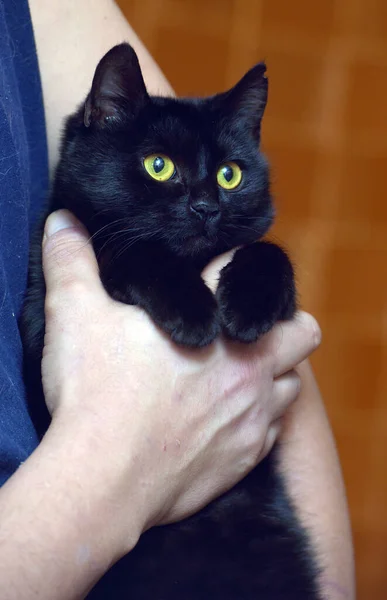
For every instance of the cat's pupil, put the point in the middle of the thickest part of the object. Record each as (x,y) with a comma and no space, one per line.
(228,173)
(158,164)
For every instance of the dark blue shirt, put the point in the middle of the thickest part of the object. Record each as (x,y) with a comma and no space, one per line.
(23,187)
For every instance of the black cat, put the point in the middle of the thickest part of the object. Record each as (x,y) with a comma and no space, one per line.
(163,186)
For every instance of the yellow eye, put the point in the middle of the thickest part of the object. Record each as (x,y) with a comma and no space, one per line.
(229,176)
(159,166)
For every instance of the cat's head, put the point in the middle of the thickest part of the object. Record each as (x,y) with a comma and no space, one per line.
(186,172)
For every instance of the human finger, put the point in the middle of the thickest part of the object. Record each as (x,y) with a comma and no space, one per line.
(285,392)
(272,436)
(68,256)
(293,341)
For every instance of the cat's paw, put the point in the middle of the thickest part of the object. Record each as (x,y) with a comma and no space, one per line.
(194,324)
(195,334)
(240,326)
(255,291)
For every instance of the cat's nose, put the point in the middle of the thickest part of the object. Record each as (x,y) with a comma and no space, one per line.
(205,209)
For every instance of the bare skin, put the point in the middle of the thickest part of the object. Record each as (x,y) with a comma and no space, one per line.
(142,433)
(71,38)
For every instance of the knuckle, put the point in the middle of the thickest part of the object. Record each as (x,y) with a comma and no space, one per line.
(291,393)
(254,440)
(63,246)
(259,452)
(311,326)
(240,376)
(294,382)
(50,306)
(252,455)
(250,371)
(296,386)
(69,291)
(74,288)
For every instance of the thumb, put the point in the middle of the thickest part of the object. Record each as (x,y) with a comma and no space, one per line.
(68,255)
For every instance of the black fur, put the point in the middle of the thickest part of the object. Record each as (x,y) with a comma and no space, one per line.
(152,240)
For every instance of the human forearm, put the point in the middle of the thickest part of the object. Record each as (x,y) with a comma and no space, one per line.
(71,37)
(312,470)
(142,433)
(57,517)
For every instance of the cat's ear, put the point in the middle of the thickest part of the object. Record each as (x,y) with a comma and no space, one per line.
(246,101)
(118,87)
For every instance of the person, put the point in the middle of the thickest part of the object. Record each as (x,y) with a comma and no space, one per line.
(142,433)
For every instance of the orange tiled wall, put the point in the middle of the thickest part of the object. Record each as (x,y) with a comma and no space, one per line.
(326,135)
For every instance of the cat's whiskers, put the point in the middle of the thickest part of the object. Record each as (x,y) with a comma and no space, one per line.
(253,218)
(224,235)
(111,224)
(239,227)
(113,236)
(134,240)
(99,231)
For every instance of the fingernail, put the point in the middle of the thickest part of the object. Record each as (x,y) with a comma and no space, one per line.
(61,219)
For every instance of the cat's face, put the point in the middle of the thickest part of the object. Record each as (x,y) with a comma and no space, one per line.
(187,173)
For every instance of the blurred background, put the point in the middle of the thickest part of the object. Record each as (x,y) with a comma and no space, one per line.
(325,133)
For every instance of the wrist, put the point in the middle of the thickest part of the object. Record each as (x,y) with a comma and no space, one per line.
(63,520)
(104,504)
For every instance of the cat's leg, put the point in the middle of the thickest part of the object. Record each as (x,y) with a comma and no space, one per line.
(255,290)
(174,295)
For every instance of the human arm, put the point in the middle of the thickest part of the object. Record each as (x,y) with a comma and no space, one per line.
(142,433)
(71,37)
(312,471)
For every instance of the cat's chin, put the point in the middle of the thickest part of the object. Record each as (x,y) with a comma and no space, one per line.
(198,246)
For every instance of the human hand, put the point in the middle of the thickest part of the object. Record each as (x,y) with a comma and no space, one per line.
(162,429)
